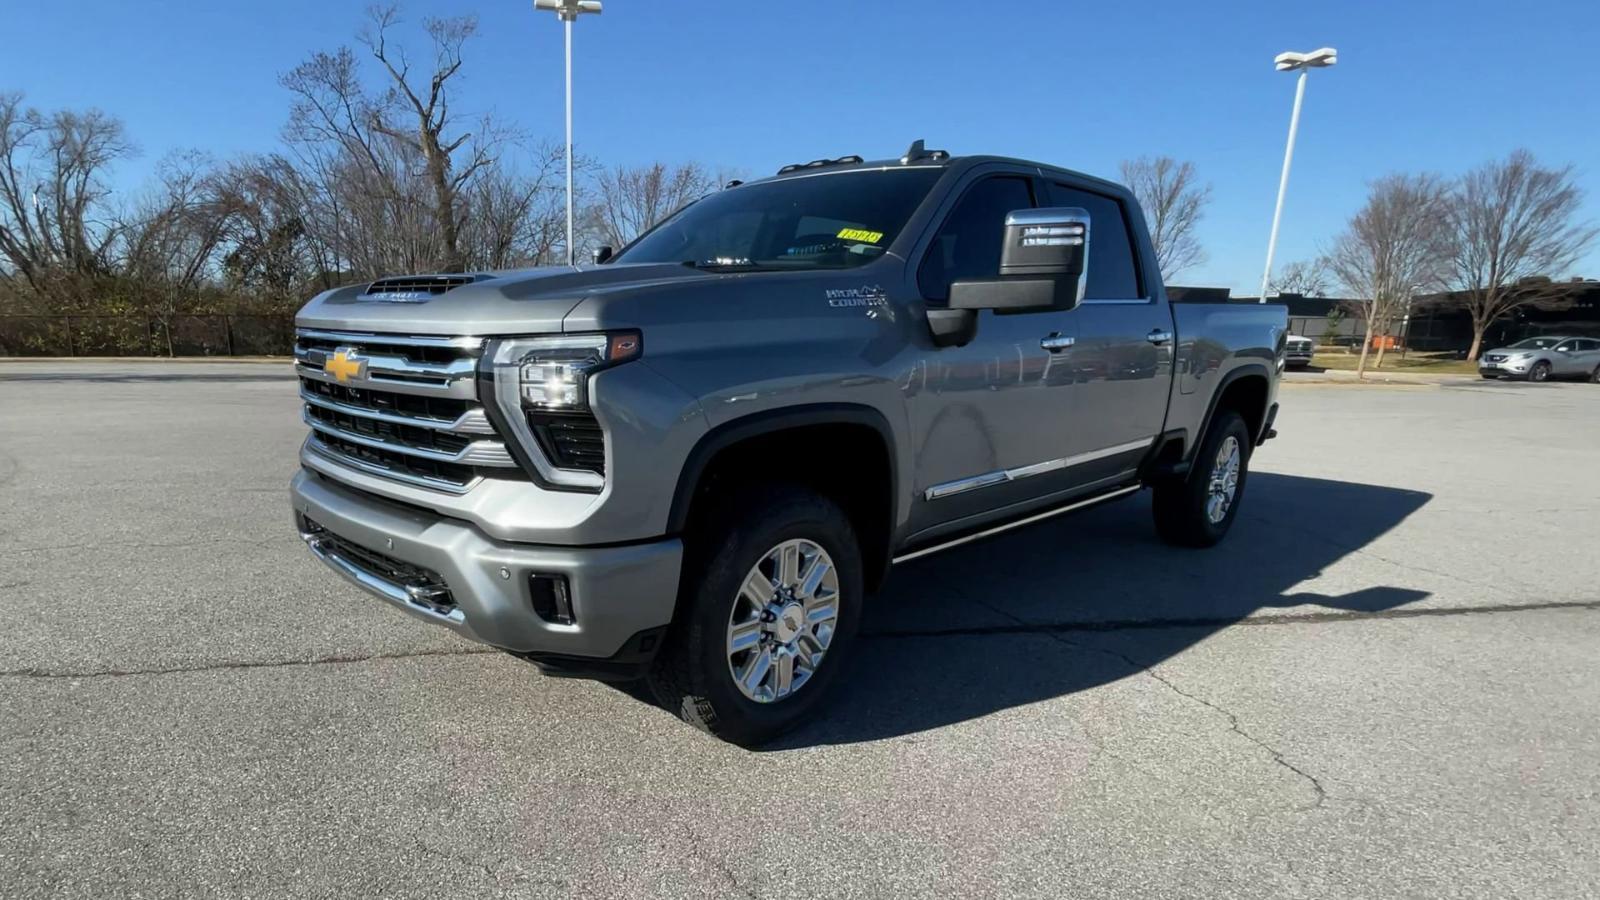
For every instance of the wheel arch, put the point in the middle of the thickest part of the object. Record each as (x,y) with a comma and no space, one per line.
(865,454)
(1246,389)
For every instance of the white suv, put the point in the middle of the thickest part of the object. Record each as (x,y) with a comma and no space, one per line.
(1544,358)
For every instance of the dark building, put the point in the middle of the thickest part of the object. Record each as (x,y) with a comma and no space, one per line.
(1436,323)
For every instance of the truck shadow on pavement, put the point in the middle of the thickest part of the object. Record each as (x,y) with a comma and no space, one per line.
(1031,615)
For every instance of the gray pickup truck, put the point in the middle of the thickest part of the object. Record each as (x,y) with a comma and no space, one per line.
(693,461)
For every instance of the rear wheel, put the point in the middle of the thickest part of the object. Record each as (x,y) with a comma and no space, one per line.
(1198,510)
(1539,372)
(766,616)
(1594,377)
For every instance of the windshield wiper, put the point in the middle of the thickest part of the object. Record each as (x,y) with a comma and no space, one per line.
(725,264)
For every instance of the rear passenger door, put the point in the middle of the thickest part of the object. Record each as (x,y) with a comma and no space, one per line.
(1125,344)
(1590,354)
(1573,357)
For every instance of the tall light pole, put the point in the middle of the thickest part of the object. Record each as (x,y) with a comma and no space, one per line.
(1302,63)
(569,10)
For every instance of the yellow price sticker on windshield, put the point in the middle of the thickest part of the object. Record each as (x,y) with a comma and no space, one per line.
(860,234)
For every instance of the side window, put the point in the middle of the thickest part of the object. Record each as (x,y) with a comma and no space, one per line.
(969,242)
(1112,274)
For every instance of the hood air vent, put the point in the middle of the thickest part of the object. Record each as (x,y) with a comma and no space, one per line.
(414,287)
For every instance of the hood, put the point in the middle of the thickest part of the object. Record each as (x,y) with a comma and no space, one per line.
(525,301)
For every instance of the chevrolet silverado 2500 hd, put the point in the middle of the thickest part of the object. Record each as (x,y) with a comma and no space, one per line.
(693,462)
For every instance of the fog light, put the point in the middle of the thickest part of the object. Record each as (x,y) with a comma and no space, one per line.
(552,599)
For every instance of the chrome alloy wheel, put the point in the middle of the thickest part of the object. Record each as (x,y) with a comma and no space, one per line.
(783,620)
(1224,480)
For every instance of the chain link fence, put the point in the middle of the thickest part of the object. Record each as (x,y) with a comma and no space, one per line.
(89,335)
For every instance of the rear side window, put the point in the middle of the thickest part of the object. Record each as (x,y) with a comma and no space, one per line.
(968,243)
(1112,273)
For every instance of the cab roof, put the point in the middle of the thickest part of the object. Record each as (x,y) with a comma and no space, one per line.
(919,157)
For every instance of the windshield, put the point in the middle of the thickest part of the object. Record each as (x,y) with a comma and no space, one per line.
(1535,344)
(832,221)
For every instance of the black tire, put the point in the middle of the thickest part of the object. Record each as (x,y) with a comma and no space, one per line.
(1180,507)
(691,677)
(1539,372)
(1594,377)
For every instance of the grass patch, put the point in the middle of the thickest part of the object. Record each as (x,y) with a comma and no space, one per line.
(1420,363)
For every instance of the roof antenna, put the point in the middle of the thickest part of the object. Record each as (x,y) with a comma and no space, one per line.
(918,151)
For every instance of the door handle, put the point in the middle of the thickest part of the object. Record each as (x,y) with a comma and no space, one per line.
(1056,343)
(1159,336)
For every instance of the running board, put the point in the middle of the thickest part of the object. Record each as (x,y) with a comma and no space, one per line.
(1027,520)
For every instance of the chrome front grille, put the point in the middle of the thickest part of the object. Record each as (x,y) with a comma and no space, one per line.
(401,407)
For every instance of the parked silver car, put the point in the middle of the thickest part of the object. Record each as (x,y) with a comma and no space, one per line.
(1544,358)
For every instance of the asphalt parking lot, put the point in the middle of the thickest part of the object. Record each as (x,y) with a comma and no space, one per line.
(1385,683)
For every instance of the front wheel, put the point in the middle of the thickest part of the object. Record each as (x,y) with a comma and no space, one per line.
(766,616)
(1539,372)
(1198,510)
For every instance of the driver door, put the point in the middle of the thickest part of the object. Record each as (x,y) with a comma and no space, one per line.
(992,415)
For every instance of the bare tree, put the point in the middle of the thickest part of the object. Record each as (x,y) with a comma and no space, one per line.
(54,226)
(1308,278)
(385,173)
(1394,248)
(516,218)
(1173,201)
(1512,222)
(633,199)
(430,108)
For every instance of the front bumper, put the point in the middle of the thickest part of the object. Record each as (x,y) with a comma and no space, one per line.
(622,597)
(1512,367)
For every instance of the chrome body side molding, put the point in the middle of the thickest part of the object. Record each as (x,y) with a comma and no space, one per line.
(1002,476)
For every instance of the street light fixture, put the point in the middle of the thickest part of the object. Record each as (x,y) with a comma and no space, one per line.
(569,10)
(1302,63)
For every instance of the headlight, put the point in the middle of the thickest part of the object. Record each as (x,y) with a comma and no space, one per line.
(553,372)
(548,377)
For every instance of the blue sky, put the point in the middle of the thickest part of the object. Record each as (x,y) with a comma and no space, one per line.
(1437,86)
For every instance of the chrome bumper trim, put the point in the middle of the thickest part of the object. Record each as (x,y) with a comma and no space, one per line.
(408,597)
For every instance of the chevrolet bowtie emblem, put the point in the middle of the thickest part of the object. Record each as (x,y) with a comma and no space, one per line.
(344,365)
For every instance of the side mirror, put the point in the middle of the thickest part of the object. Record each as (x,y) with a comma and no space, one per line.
(602,254)
(1042,261)
(1043,257)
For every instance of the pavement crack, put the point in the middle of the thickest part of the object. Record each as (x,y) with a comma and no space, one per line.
(1321,794)
(1233,722)
(717,861)
(1022,626)
(145,545)
(49,674)
(1362,550)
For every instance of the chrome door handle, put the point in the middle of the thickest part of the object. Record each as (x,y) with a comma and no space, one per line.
(1159,336)
(1056,343)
